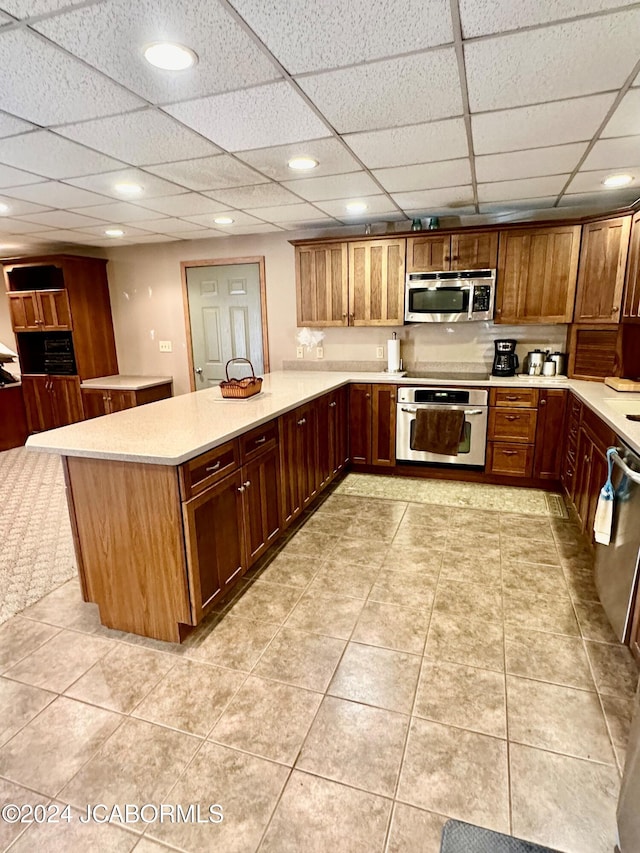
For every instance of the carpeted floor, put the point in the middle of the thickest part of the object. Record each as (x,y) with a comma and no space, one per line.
(36,548)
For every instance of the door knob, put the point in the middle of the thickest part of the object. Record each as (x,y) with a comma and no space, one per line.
(199,371)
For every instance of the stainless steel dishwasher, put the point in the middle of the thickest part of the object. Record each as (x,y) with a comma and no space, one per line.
(616,565)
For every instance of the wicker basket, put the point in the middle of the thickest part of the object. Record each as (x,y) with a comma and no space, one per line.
(240,389)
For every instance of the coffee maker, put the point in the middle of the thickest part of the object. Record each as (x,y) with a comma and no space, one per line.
(505,360)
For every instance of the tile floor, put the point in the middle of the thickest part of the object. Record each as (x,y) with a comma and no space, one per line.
(392,665)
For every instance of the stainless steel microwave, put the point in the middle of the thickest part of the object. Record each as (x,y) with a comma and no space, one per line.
(449,297)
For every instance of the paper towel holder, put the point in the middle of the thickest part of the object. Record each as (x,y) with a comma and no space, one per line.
(395,356)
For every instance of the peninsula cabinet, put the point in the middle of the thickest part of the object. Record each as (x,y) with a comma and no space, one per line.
(51,401)
(103,401)
(603,261)
(372,424)
(473,250)
(631,305)
(537,274)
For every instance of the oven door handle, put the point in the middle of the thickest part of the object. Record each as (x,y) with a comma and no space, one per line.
(466,411)
(408,411)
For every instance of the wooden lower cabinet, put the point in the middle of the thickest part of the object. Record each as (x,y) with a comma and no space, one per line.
(51,401)
(102,401)
(261,503)
(372,424)
(360,423)
(547,462)
(338,405)
(13,418)
(299,460)
(509,459)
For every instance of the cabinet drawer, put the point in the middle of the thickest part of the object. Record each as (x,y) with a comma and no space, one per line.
(512,460)
(262,438)
(200,473)
(526,398)
(516,425)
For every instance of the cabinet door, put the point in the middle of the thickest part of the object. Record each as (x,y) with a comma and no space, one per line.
(631,309)
(322,285)
(581,489)
(325,418)
(290,464)
(474,251)
(537,273)
(261,503)
(360,424)
(120,400)
(551,415)
(214,542)
(54,310)
(338,430)
(376,283)
(383,425)
(603,260)
(25,315)
(67,399)
(426,254)
(597,478)
(38,403)
(94,402)
(307,424)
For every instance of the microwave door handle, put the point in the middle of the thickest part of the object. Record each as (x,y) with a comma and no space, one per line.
(470,309)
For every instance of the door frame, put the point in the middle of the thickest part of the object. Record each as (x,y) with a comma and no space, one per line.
(220,262)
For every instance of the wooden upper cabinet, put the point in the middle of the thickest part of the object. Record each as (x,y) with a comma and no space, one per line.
(473,250)
(603,260)
(537,274)
(631,306)
(428,254)
(322,285)
(40,311)
(376,283)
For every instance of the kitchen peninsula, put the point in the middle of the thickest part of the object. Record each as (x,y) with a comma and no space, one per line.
(171,503)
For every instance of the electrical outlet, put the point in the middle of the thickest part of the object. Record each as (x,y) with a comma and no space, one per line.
(319,352)
(299,352)
(379,352)
(165,346)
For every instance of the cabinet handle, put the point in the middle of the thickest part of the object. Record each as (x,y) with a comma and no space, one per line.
(215,467)
(511,397)
(344,316)
(509,452)
(241,488)
(543,402)
(261,440)
(246,484)
(352,317)
(512,417)
(302,421)
(615,309)
(367,396)
(333,404)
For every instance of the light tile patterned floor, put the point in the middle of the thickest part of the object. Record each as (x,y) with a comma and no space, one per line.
(393,664)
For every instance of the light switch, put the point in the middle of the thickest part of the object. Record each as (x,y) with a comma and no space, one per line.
(379,352)
(299,352)
(165,346)
(319,352)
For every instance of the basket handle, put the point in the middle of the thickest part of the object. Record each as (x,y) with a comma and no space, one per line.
(253,373)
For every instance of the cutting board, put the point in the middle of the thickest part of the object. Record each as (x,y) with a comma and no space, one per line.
(622,384)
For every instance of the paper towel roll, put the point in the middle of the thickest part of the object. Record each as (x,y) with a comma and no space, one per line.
(393,356)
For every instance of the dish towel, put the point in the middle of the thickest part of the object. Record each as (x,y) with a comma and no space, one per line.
(438,430)
(604,511)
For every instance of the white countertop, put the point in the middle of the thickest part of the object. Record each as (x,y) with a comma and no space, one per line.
(175,430)
(123,382)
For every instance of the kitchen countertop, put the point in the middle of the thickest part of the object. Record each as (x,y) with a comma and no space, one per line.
(124,382)
(177,429)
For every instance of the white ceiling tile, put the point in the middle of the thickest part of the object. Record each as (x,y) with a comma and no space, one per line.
(106,182)
(62,219)
(613,153)
(17,207)
(529,164)
(235,230)
(208,173)
(203,234)
(55,194)
(10,125)
(207,220)
(48,154)
(17,226)
(334,33)
(525,188)
(299,224)
(375,204)
(16,177)
(141,138)
(390,216)
(441,198)
(35,72)
(334,186)
(423,87)
(577,58)
(458,210)
(626,119)
(286,212)
(166,225)
(155,238)
(28,8)
(4,19)
(417,143)
(481,17)
(66,235)
(119,211)
(186,204)
(450,173)
(129,231)
(105,242)
(591,181)
(609,199)
(520,204)
(541,125)
(332,157)
(253,118)
(260,195)
(112,36)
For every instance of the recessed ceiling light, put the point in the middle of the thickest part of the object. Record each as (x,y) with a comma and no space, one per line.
(618,180)
(4,208)
(170,57)
(114,232)
(302,164)
(356,207)
(128,189)
(223,220)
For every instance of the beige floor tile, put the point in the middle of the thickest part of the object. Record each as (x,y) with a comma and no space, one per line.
(455,772)
(411,536)
(246,787)
(21,637)
(461,639)
(148,845)
(266,601)
(19,704)
(326,522)
(341,578)
(191,697)
(377,529)
(317,815)
(534,579)
(267,718)
(427,514)
(527,526)
(76,837)
(580,582)
(618,712)
(355,744)
(409,589)
(138,764)
(359,552)
(525,550)
(547,657)
(474,540)
(614,669)
(16,794)
(540,613)
(462,696)
(563,802)
(55,745)
(331,615)
(60,661)
(392,627)
(485,521)
(593,622)
(375,676)
(302,659)
(378,509)
(342,505)
(290,570)
(476,600)
(422,559)
(122,678)
(65,608)
(310,544)
(414,830)
(463,565)
(560,719)
(232,642)
(566,530)
(578,551)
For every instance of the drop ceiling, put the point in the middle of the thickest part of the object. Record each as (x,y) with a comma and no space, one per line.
(465,108)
